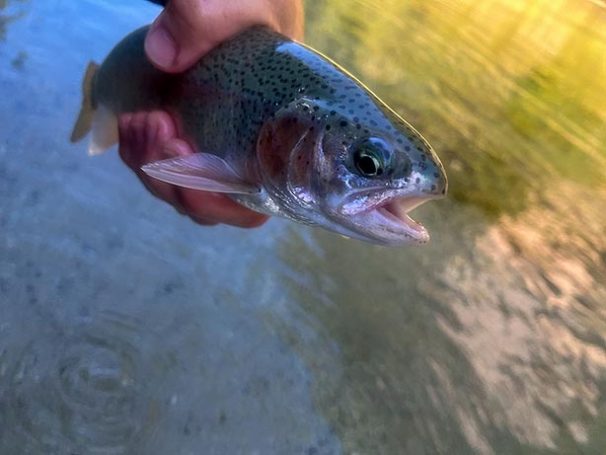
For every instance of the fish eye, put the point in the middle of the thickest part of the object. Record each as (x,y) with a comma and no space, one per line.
(371,157)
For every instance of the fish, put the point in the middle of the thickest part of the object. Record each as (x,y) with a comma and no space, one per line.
(280,128)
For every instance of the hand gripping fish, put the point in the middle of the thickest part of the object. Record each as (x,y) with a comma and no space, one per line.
(280,128)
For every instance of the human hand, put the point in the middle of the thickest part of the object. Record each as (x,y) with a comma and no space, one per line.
(179,37)
(188,29)
(146,137)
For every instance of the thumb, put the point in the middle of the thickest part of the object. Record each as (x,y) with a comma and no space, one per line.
(174,41)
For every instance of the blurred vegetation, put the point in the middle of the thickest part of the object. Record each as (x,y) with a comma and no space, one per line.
(511,94)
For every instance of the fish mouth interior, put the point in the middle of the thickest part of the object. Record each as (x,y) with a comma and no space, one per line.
(396,211)
(390,223)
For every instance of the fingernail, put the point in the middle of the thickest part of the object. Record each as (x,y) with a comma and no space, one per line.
(160,46)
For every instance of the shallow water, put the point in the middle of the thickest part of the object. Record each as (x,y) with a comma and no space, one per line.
(126,329)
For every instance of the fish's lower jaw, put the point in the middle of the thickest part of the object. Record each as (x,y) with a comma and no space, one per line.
(398,228)
(382,227)
(403,222)
(389,224)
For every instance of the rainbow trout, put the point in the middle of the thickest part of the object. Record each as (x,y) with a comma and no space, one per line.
(280,128)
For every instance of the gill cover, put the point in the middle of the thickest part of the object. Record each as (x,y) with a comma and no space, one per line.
(289,150)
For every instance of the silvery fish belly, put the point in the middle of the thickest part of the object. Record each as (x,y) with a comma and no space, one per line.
(281,129)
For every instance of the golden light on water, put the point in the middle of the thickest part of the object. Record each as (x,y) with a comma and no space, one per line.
(512,94)
(521,83)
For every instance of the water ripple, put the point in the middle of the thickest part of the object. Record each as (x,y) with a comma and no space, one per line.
(83,393)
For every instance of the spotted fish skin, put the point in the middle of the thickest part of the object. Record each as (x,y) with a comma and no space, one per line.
(289,120)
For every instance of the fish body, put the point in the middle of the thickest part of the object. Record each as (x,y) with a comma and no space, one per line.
(279,127)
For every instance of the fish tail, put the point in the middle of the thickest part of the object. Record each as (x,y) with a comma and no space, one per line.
(85,117)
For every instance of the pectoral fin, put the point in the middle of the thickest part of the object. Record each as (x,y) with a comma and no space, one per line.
(200,171)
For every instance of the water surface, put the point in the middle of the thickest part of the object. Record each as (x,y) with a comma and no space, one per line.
(126,329)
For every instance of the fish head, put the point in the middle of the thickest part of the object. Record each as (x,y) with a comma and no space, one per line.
(352,175)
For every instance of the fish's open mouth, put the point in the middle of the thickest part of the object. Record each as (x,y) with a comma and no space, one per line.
(396,212)
(390,223)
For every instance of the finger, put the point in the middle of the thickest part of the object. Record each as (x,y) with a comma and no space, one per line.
(142,136)
(177,148)
(188,29)
(161,128)
(125,139)
(177,38)
(219,208)
(202,221)
(139,127)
